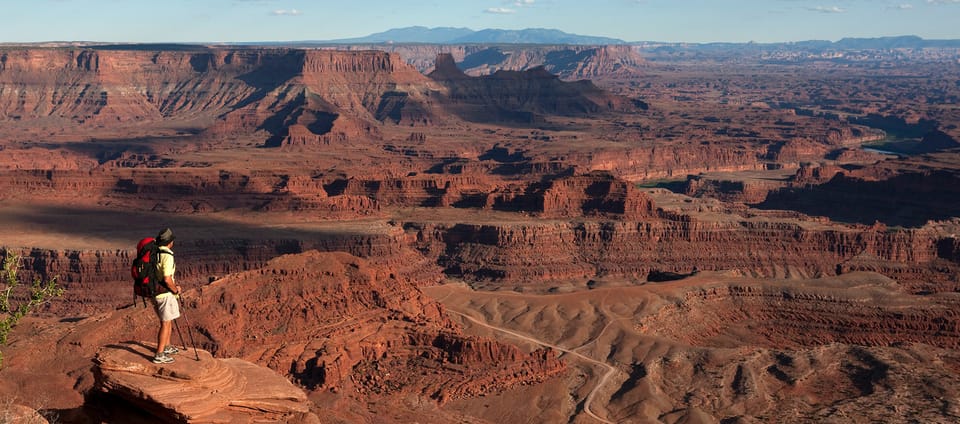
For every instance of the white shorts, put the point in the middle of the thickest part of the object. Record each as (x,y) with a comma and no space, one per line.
(167,307)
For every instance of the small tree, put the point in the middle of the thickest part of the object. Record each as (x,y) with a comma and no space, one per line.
(40,293)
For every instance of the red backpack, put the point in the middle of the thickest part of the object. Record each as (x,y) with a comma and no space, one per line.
(147,277)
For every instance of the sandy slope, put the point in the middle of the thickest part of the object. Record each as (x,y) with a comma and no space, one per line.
(716,361)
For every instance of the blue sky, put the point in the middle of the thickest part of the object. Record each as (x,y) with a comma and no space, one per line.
(630,20)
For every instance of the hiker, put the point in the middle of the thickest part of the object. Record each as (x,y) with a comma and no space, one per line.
(165,302)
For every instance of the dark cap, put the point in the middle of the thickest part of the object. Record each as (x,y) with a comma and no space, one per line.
(165,237)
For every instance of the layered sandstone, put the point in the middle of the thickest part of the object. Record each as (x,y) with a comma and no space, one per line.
(329,101)
(331,321)
(595,194)
(229,91)
(901,192)
(743,191)
(193,390)
(98,279)
(569,62)
(520,96)
(558,250)
(333,96)
(596,225)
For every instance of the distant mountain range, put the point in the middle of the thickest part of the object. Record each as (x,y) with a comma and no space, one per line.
(533,36)
(463,36)
(876,43)
(447,35)
(901,42)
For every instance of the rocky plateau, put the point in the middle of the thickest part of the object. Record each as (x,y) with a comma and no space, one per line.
(479,234)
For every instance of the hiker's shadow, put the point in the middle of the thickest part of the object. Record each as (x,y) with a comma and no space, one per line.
(128,346)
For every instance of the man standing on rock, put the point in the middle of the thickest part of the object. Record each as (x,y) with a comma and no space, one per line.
(165,300)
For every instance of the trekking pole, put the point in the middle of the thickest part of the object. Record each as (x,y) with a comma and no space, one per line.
(189,332)
(177,325)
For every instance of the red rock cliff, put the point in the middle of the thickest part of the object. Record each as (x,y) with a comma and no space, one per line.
(556,250)
(248,89)
(333,321)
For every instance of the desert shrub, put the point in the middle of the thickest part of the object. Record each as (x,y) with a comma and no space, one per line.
(40,293)
(12,411)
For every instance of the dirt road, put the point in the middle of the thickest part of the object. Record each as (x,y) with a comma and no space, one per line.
(611,370)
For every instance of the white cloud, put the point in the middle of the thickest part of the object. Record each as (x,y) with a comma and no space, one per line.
(524,3)
(499,11)
(285,12)
(905,6)
(826,9)
(943,1)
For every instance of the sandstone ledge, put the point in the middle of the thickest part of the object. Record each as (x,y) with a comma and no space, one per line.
(207,390)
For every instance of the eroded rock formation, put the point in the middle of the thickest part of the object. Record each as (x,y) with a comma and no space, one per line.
(331,321)
(717,347)
(570,63)
(520,96)
(227,91)
(515,180)
(195,391)
(897,192)
(591,225)
(789,317)
(519,251)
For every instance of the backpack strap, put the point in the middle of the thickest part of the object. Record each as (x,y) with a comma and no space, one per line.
(161,282)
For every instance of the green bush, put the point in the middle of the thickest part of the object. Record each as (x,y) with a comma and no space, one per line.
(40,293)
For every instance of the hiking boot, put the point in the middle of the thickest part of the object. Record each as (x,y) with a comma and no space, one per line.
(171,350)
(162,359)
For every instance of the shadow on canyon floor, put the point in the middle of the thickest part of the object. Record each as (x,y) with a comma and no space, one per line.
(99,229)
(907,200)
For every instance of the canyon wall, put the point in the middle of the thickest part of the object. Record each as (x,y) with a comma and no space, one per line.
(520,96)
(570,63)
(294,97)
(560,250)
(221,90)
(591,225)
(901,192)
(96,280)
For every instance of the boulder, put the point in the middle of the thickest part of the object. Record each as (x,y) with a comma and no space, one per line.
(204,390)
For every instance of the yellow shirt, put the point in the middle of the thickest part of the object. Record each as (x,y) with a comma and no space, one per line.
(167,266)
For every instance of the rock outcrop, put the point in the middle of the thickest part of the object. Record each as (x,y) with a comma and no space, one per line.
(207,390)
(749,191)
(558,250)
(520,96)
(569,62)
(13,413)
(226,91)
(330,321)
(99,279)
(900,192)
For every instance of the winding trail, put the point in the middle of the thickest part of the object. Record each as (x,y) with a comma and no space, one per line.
(603,380)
